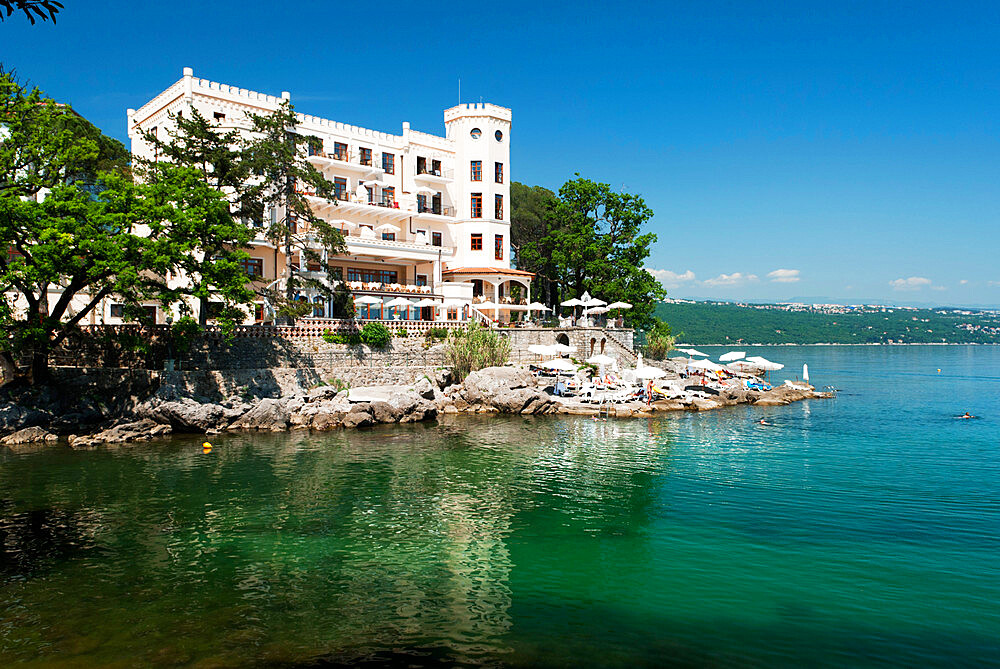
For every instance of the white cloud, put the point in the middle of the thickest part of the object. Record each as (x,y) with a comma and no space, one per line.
(784,275)
(963,282)
(993,284)
(671,279)
(734,279)
(911,283)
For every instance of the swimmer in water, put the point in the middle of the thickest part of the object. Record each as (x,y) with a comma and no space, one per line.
(764,422)
(967,415)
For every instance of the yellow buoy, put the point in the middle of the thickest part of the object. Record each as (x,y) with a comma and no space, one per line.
(206,447)
(939,371)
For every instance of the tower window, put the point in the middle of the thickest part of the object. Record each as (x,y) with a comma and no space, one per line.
(477,205)
(498,205)
(476,133)
(477,242)
(389,163)
(476,170)
(498,172)
(498,247)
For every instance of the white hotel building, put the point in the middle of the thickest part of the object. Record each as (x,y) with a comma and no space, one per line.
(425,217)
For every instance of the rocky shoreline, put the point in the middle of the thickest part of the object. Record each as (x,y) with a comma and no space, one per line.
(167,405)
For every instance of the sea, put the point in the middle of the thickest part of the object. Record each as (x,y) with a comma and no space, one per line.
(857,531)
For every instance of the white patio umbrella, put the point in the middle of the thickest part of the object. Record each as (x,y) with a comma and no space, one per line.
(732,355)
(742,366)
(560,365)
(601,359)
(488,304)
(692,351)
(341,223)
(538,306)
(805,373)
(387,227)
(649,373)
(367,299)
(592,301)
(563,348)
(426,302)
(424,190)
(574,302)
(399,302)
(595,310)
(376,182)
(705,365)
(542,349)
(619,305)
(765,364)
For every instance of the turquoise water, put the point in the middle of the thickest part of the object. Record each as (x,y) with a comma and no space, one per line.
(858,531)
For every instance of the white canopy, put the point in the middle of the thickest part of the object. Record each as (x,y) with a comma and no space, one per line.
(399,302)
(706,365)
(649,373)
(572,303)
(619,305)
(595,310)
(765,364)
(537,306)
(732,355)
(692,351)
(367,299)
(560,364)
(601,359)
(426,302)
(742,365)
(387,227)
(592,301)
(542,349)
(563,348)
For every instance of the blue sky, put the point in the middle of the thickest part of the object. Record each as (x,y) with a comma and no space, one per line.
(853,148)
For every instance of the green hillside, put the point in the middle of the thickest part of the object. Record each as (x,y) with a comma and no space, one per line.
(714,323)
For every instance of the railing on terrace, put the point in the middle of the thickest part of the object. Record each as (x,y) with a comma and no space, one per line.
(440,210)
(429,172)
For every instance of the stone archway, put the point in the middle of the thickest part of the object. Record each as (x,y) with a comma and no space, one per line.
(593,343)
(604,341)
(563,339)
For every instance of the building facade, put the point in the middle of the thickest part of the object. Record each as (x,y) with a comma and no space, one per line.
(426,218)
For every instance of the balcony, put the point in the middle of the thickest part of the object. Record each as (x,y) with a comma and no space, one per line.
(437,210)
(428,175)
(344,160)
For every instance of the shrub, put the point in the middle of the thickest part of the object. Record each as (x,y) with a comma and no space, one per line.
(351,337)
(661,341)
(437,334)
(376,335)
(332,338)
(476,348)
(339,384)
(183,331)
(402,333)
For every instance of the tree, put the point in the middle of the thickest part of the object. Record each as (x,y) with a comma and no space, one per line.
(531,218)
(201,170)
(43,9)
(80,247)
(589,239)
(277,159)
(660,340)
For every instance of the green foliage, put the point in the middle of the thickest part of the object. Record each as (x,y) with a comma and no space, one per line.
(339,384)
(402,333)
(276,158)
(376,335)
(184,331)
(721,323)
(436,334)
(476,348)
(587,239)
(342,302)
(660,340)
(351,338)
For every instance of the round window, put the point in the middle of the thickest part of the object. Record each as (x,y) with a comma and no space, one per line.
(476,133)
(498,135)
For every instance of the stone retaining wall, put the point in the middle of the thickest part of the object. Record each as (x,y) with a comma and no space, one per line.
(616,342)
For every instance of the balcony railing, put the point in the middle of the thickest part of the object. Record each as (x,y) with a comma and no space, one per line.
(431,172)
(439,209)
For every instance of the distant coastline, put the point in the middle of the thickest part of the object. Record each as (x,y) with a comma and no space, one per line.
(940,343)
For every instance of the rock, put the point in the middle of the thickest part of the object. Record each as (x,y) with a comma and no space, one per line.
(28,435)
(503,389)
(425,389)
(359,416)
(269,414)
(14,417)
(187,414)
(383,412)
(141,430)
(323,393)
